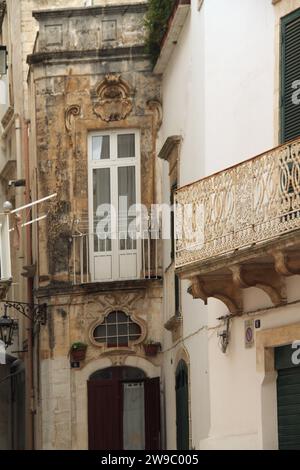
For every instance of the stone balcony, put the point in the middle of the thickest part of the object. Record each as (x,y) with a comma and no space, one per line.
(240,228)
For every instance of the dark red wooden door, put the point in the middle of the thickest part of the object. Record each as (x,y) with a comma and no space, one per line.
(152,414)
(105,415)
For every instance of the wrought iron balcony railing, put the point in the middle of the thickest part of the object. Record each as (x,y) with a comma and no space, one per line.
(141,258)
(252,202)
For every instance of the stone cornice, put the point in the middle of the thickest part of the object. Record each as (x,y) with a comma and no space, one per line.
(91,11)
(169,146)
(116,53)
(96,287)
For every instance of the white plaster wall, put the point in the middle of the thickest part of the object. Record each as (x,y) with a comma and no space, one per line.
(236,386)
(239,80)
(183,103)
(218,93)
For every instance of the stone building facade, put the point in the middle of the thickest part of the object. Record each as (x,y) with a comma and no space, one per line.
(222,302)
(81,76)
(88,73)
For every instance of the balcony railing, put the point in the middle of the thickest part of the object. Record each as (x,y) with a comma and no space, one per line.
(252,202)
(143,255)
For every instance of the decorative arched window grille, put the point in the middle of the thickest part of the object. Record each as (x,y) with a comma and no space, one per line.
(117,330)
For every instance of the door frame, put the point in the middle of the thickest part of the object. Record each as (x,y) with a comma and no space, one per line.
(153,440)
(113,164)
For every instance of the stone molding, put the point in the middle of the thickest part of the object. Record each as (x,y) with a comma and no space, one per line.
(90,11)
(109,54)
(170,144)
(71,113)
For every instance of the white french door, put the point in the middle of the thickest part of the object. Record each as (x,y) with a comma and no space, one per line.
(114,190)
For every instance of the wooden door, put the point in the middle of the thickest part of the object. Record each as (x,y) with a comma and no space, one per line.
(105,415)
(152,414)
(105,411)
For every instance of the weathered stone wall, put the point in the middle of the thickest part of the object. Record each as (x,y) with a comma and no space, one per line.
(68,85)
(79,85)
(71,318)
(24,24)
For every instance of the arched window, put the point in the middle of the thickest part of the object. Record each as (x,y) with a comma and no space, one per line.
(117,330)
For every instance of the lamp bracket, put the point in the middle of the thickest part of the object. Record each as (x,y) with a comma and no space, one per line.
(37,313)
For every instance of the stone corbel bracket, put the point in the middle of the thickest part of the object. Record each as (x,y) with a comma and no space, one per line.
(286,265)
(262,276)
(220,287)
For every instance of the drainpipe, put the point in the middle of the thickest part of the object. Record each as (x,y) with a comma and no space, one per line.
(29,323)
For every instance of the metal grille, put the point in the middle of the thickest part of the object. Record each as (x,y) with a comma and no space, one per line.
(254,201)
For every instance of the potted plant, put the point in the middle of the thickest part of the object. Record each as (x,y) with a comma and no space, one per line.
(151,347)
(78,351)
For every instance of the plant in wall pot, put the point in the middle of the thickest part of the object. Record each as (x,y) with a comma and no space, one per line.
(152,348)
(78,351)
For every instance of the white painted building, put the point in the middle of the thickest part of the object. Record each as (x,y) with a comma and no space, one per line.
(221,91)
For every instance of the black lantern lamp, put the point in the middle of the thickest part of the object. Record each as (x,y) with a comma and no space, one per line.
(7,328)
(3,60)
(36,313)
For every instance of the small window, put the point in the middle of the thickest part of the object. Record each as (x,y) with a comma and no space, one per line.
(117,330)
(126,146)
(100,147)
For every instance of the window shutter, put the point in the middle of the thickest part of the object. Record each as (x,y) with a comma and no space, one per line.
(290,72)
(288,399)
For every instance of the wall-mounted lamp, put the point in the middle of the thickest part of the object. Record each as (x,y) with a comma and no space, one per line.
(224,335)
(7,328)
(36,313)
(3,60)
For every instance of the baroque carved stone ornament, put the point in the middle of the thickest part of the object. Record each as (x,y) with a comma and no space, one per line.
(71,113)
(114,99)
(155,107)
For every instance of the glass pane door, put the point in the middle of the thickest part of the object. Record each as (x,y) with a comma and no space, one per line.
(114,189)
(127,199)
(101,209)
(133,416)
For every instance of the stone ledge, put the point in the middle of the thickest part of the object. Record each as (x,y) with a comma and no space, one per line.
(61,288)
(91,11)
(285,241)
(116,53)
(169,146)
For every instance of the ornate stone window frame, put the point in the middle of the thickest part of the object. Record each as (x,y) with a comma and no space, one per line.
(131,344)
